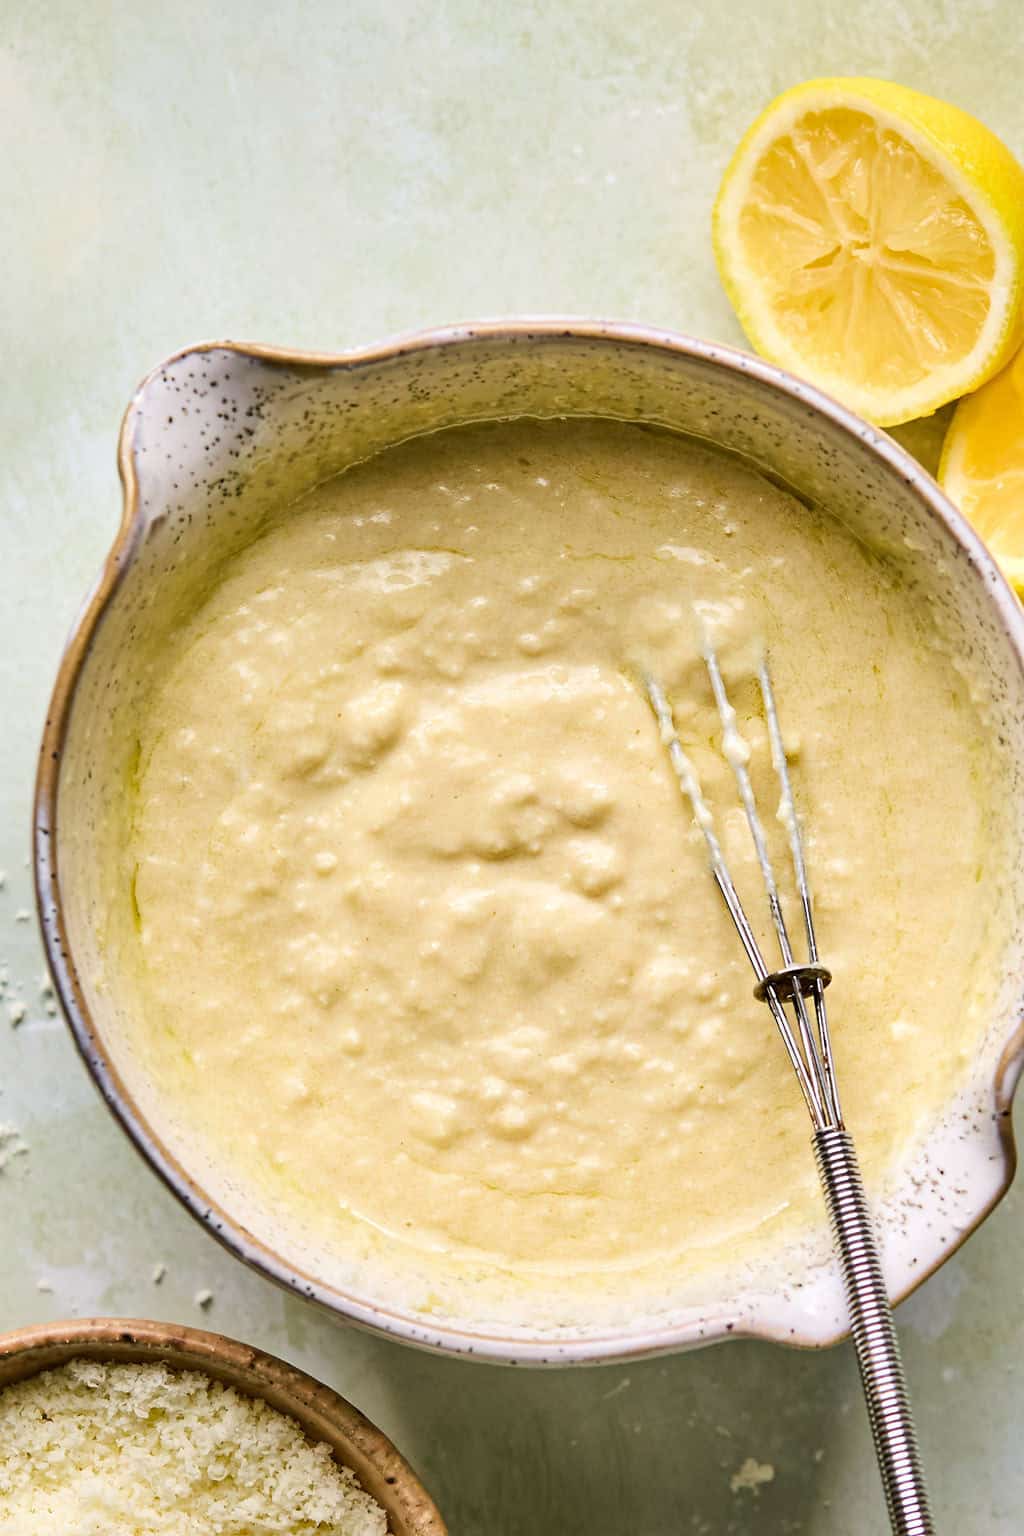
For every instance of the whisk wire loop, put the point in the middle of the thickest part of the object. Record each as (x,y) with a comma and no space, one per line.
(810,1057)
(791,819)
(736,754)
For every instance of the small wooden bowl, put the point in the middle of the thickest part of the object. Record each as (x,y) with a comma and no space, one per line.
(324,1416)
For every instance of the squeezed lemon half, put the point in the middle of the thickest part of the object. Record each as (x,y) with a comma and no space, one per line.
(871,239)
(982,466)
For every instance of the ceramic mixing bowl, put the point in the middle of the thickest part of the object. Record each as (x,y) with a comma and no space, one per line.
(219,438)
(354,1442)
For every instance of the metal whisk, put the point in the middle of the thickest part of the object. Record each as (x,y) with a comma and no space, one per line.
(794,985)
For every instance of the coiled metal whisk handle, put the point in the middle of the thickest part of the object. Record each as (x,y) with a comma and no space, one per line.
(807,1039)
(874,1335)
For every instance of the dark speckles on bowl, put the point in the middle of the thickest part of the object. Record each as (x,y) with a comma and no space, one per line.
(220,437)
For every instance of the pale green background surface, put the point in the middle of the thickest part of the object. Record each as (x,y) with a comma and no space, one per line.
(322,175)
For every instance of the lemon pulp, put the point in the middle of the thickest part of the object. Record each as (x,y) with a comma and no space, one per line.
(871,239)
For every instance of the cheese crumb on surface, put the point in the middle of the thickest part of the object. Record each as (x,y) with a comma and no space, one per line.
(141,1450)
(751,1475)
(48,995)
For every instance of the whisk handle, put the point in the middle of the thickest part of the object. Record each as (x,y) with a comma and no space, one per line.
(874,1335)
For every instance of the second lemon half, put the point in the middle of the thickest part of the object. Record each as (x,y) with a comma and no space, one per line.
(871,238)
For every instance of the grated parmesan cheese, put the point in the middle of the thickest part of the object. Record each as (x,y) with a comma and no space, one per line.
(93,1449)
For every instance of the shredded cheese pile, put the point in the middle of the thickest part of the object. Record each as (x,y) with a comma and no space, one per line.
(93,1449)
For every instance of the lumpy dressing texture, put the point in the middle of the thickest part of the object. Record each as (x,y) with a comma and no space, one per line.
(427,934)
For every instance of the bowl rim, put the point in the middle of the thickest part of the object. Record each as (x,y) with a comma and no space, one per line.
(320,1411)
(229,1231)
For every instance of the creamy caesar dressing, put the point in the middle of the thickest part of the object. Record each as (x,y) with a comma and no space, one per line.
(429,943)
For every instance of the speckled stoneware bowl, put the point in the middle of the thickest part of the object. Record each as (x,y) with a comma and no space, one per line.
(221,436)
(355,1443)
